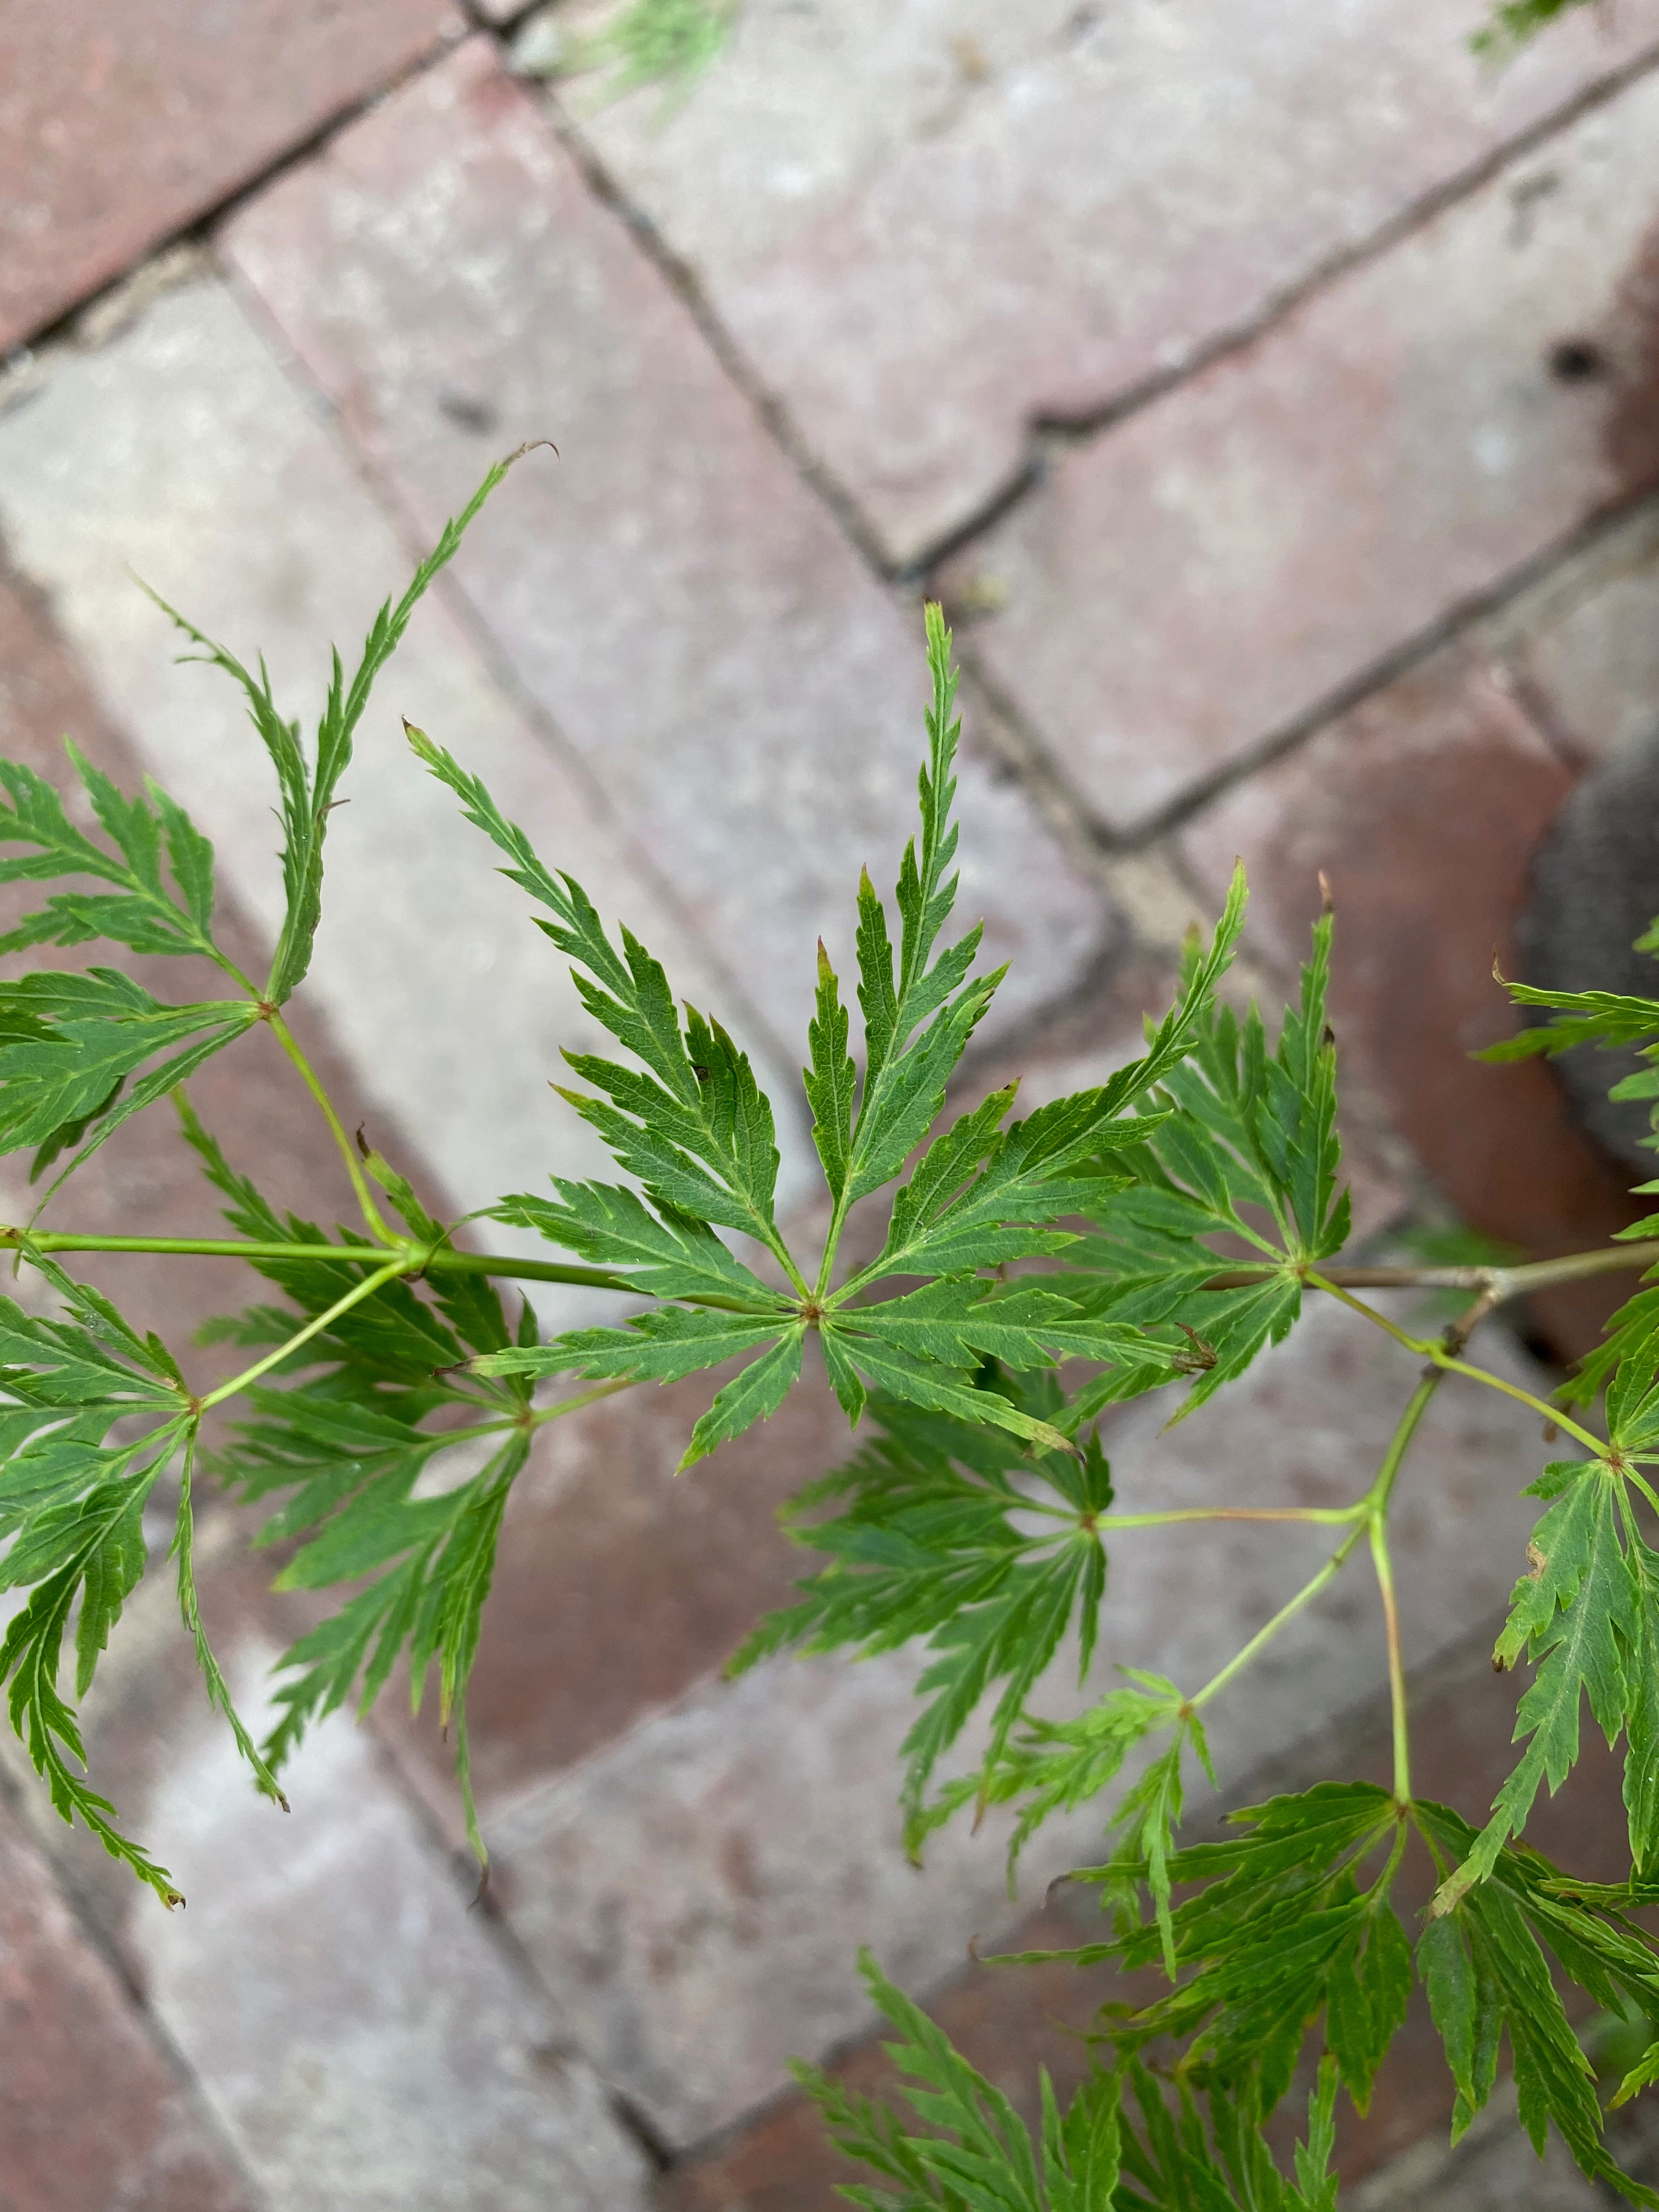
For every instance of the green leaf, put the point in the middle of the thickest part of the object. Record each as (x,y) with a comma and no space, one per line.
(69,1045)
(1464,2003)
(755,1396)
(663,1345)
(306,788)
(926,1546)
(930,1384)
(432,1559)
(141,911)
(663,1254)
(959,1319)
(1599,1017)
(1281,1929)
(1491,1971)
(449,1630)
(1173,2162)
(1574,1615)
(831,1080)
(29,1664)
(1642,1713)
(1246,1152)
(976,2154)
(73,1507)
(218,1690)
(695,1127)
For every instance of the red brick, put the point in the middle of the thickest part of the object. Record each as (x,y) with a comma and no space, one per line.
(1423,807)
(679,603)
(1199,579)
(95,2115)
(923,239)
(358,2029)
(118,129)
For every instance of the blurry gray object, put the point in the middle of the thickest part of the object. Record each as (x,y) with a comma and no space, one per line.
(1595,890)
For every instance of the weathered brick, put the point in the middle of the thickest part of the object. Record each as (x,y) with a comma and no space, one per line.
(1582,647)
(356,2029)
(694,1902)
(1423,807)
(95,2115)
(747,696)
(922,237)
(1202,577)
(118,129)
(183,451)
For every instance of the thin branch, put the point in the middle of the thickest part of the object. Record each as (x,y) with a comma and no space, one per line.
(421,1261)
(1334,1516)
(1504,1283)
(358,1292)
(1263,1636)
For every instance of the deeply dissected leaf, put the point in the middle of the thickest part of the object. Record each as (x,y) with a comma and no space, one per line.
(1282,1928)
(1576,1613)
(693,1125)
(432,1559)
(345,1451)
(307,787)
(976,2154)
(71,1044)
(1174,2163)
(1488,1974)
(71,1504)
(1246,1153)
(661,1253)
(925,1544)
(152,836)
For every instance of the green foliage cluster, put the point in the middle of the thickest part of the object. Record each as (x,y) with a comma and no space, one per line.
(1152,1234)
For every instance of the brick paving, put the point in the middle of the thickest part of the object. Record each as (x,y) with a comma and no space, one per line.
(1289,450)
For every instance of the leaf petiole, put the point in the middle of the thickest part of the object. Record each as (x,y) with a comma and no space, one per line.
(1430,1348)
(405,1263)
(1264,1636)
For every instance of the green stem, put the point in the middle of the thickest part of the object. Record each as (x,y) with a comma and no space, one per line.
(1504,1282)
(1375,1503)
(1432,1349)
(1402,1757)
(1376,1500)
(1562,1421)
(1358,1306)
(1325,1516)
(444,1262)
(354,1295)
(1263,1636)
(365,1196)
